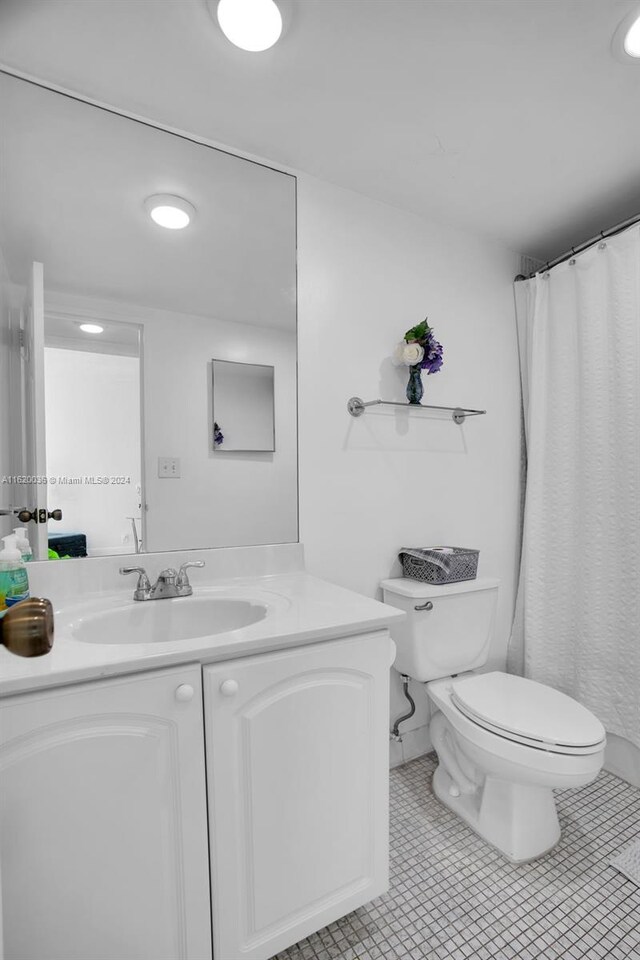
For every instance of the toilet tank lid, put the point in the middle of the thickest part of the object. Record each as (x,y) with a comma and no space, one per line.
(404,587)
(528,709)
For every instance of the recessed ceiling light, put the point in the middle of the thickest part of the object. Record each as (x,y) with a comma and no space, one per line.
(632,39)
(252,25)
(626,40)
(91,328)
(168,211)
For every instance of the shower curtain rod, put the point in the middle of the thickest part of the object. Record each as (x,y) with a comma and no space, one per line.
(583,246)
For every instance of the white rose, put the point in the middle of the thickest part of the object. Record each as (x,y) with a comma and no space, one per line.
(410,353)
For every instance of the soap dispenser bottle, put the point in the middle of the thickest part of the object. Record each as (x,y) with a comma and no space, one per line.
(23,544)
(14,580)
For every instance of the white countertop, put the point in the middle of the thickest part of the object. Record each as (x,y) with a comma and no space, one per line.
(301,610)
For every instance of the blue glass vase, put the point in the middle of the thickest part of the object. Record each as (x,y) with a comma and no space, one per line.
(415,389)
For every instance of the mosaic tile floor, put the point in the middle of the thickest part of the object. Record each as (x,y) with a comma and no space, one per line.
(454,897)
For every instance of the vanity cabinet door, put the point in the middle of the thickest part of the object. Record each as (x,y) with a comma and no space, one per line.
(297,766)
(103,821)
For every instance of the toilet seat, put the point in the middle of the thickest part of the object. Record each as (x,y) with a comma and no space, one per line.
(529,713)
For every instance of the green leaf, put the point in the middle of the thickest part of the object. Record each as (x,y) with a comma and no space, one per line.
(419,332)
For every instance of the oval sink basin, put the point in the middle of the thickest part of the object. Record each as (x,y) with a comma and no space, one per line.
(167,621)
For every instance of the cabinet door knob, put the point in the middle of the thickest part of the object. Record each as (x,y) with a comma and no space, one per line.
(229,688)
(184,692)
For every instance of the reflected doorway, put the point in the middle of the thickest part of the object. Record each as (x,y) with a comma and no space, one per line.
(93,436)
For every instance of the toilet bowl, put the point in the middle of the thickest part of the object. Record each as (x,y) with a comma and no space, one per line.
(504,743)
(498,773)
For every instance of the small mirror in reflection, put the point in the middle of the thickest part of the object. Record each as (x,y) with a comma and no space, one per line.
(243,407)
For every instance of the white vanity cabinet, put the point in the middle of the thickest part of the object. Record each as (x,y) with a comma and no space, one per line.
(297,761)
(103,820)
(106,852)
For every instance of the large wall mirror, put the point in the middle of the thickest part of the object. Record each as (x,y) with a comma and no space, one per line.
(111,310)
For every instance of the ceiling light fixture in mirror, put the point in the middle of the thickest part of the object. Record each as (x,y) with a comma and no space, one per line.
(173,213)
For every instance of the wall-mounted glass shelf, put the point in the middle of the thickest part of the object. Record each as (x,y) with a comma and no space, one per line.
(356,408)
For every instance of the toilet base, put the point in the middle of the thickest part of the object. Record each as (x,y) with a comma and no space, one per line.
(520,821)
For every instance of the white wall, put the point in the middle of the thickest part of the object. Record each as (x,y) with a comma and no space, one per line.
(92,405)
(5,400)
(220,499)
(367,273)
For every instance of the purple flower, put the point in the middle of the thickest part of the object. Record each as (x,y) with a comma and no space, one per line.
(432,360)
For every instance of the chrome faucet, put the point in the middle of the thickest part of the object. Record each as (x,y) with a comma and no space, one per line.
(170,582)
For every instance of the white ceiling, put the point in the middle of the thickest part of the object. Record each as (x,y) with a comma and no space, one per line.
(508,117)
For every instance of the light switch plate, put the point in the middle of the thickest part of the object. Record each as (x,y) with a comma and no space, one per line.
(168,467)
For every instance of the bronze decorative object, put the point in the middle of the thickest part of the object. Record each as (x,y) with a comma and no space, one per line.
(27,629)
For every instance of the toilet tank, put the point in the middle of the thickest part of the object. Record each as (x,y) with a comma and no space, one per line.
(452,630)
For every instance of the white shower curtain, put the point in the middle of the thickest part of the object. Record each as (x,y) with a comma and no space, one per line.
(577,625)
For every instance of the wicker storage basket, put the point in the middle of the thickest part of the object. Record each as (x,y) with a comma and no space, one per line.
(434,566)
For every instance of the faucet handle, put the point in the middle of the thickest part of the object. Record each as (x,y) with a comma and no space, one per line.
(191,563)
(143,586)
(183,577)
(168,576)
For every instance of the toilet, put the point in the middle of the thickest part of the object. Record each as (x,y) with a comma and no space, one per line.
(504,743)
